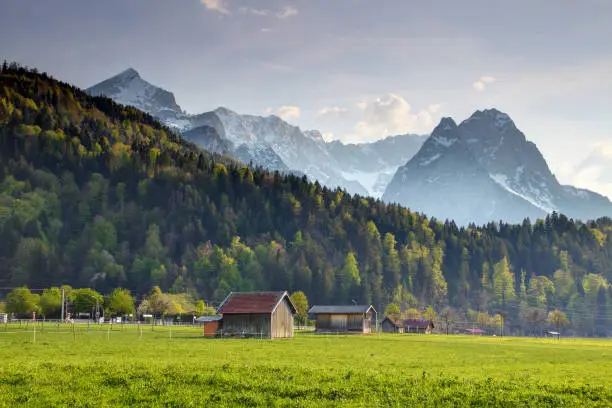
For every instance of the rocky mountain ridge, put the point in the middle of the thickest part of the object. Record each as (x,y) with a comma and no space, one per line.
(483,170)
(269,142)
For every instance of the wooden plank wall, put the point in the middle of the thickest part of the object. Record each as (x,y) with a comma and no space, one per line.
(282,321)
(252,324)
(339,323)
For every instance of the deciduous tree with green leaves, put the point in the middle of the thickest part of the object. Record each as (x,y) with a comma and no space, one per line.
(85,300)
(22,302)
(558,319)
(393,311)
(120,302)
(51,302)
(300,301)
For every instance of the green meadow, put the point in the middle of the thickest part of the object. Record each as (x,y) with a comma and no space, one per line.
(98,367)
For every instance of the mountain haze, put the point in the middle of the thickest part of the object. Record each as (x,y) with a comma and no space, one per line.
(483,170)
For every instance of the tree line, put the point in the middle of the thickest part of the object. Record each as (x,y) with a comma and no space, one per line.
(23,303)
(93,193)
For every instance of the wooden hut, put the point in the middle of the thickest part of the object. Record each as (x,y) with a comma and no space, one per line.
(258,314)
(418,326)
(389,325)
(344,319)
(210,325)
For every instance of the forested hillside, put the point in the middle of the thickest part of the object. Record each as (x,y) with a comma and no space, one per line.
(96,194)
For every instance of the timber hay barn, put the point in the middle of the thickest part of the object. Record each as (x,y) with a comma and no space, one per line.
(257,314)
(344,319)
(418,326)
(390,325)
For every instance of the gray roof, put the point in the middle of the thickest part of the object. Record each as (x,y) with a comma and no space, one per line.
(206,319)
(347,309)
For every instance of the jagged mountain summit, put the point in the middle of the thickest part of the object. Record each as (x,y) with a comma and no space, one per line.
(269,142)
(128,88)
(483,170)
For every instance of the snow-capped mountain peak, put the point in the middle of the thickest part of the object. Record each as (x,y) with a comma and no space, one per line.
(499,120)
(491,173)
(128,88)
(446,125)
(128,75)
(269,142)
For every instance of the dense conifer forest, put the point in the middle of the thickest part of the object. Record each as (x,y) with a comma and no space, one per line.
(94,194)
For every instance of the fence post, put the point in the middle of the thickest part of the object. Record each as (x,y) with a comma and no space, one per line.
(73,333)
(140,329)
(34,340)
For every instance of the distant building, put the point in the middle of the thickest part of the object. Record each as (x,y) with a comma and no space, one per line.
(389,325)
(418,326)
(257,314)
(554,334)
(210,325)
(344,319)
(474,332)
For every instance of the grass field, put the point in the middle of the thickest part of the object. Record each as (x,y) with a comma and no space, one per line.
(95,367)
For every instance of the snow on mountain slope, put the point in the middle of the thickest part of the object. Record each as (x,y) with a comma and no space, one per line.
(485,170)
(128,88)
(269,142)
(374,164)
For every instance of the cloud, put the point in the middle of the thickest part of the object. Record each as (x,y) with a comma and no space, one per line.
(332,112)
(391,115)
(595,172)
(286,113)
(482,83)
(254,11)
(283,13)
(435,107)
(216,5)
(287,12)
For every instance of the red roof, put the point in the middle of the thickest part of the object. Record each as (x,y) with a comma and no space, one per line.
(253,302)
(475,331)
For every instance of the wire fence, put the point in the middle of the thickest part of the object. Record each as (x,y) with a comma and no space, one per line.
(83,333)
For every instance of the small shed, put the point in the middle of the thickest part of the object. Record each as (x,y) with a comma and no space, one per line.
(389,325)
(343,319)
(474,332)
(258,314)
(554,334)
(418,326)
(210,325)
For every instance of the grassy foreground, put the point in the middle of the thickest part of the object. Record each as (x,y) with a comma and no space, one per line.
(95,367)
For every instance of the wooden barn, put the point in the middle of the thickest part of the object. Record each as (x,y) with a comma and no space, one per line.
(389,325)
(418,326)
(258,314)
(344,319)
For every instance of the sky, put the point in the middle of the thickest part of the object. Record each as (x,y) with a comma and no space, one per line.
(357,70)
